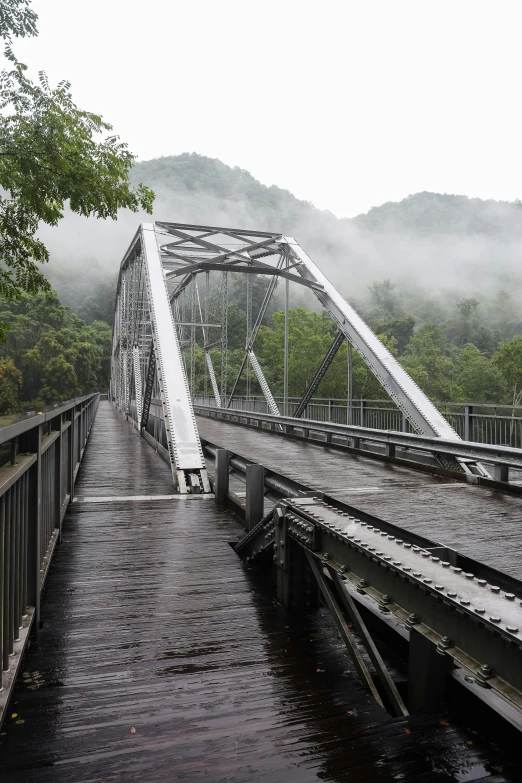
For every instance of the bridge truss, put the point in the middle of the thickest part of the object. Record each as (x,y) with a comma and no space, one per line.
(172,307)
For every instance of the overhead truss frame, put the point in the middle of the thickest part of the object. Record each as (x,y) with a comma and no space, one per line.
(159,317)
(188,250)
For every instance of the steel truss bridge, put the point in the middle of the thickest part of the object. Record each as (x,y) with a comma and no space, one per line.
(366,623)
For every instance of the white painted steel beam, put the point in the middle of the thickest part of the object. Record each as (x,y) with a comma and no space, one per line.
(186,454)
(403,390)
(144,320)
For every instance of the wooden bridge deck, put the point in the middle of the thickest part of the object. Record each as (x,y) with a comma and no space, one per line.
(483,524)
(161,657)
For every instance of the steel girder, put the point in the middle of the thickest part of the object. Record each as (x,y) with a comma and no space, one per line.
(319,375)
(403,390)
(188,250)
(163,260)
(144,326)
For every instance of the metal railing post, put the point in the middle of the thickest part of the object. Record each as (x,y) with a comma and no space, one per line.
(72,452)
(14,451)
(468,422)
(34,557)
(58,449)
(255,495)
(2,589)
(222,476)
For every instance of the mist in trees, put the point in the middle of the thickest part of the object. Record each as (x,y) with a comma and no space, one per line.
(456,350)
(436,277)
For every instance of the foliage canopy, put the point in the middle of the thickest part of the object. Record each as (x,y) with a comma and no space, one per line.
(51,153)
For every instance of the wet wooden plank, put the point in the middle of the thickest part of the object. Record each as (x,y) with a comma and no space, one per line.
(466,517)
(151,622)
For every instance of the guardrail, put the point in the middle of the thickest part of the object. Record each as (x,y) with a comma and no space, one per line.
(502,458)
(36,485)
(478,422)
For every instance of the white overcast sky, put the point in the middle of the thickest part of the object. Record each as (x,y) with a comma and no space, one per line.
(346,104)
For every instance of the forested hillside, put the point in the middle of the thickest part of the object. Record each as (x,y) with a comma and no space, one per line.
(437,276)
(49,354)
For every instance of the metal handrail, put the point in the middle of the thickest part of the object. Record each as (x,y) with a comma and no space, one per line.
(36,485)
(11,431)
(497,455)
(357,401)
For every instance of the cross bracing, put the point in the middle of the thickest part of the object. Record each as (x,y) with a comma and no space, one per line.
(173,301)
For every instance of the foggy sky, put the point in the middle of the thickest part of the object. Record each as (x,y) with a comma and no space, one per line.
(347,104)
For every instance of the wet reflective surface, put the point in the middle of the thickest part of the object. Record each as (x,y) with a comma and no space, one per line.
(453,513)
(162,657)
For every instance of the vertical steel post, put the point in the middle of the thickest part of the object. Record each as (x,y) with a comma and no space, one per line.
(35,522)
(349,416)
(428,671)
(362,422)
(6,580)
(72,452)
(468,422)
(58,449)
(2,582)
(224,338)
(285,358)
(207,292)
(193,337)
(255,495)
(17,571)
(12,569)
(25,485)
(14,451)
(222,476)
(248,328)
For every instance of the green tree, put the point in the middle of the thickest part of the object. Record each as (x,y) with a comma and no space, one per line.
(400,329)
(59,380)
(42,329)
(10,380)
(429,362)
(310,336)
(50,153)
(509,361)
(477,377)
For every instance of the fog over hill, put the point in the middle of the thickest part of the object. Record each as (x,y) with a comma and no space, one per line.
(428,240)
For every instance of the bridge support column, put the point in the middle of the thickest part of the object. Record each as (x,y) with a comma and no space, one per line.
(222,476)
(428,670)
(255,495)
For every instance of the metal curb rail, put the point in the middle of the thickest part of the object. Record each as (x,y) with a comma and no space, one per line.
(503,456)
(475,623)
(461,619)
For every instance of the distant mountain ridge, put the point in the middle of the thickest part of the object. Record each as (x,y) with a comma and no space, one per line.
(434,213)
(427,240)
(419,213)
